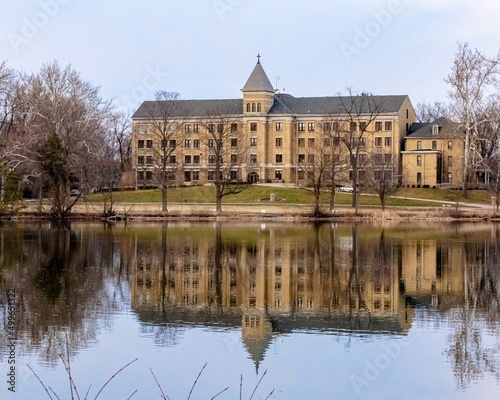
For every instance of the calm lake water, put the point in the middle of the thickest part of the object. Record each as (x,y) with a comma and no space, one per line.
(325,312)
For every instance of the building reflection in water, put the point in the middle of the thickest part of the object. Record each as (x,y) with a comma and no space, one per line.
(271,280)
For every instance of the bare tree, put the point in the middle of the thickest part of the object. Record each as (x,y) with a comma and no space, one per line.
(427,112)
(353,126)
(379,175)
(120,128)
(227,149)
(472,75)
(164,115)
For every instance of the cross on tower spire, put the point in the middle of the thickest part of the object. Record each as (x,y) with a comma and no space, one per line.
(258,58)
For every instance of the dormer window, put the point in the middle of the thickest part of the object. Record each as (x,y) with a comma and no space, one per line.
(435,129)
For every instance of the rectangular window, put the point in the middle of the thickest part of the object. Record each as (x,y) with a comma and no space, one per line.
(196,128)
(196,159)
(279,126)
(196,175)
(388,141)
(140,144)
(211,159)
(211,175)
(419,145)
(388,158)
(234,142)
(450,144)
(362,126)
(419,178)
(279,158)
(234,127)
(378,141)
(233,175)
(301,126)
(253,126)
(378,158)
(450,161)
(211,143)
(187,159)
(149,160)
(335,141)
(187,176)
(234,159)
(211,128)
(279,142)
(388,125)
(172,159)
(327,127)
(434,145)
(187,128)
(362,142)
(278,174)
(172,143)
(149,144)
(450,176)
(140,160)
(378,175)
(326,142)
(310,142)
(353,126)
(253,158)
(196,143)
(419,161)
(302,158)
(140,175)
(311,126)
(310,158)
(220,128)
(253,141)
(302,142)
(378,126)
(149,175)
(187,143)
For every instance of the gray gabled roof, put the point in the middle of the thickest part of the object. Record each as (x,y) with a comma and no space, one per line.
(258,81)
(191,108)
(446,128)
(287,104)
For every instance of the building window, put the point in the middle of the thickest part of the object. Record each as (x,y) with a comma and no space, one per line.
(310,126)
(388,141)
(211,143)
(450,177)
(310,142)
(434,145)
(327,127)
(253,141)
(187,176)
(253,126)
(362,142)
(149,160)
(234,127)
(211,159)
(279,158)
(248,107)
(279,142)
(211,128)
(140,175)
(259,107)
(196,128)
(302,142)
(140,144)
(279,126)
(302,158)
(419,161)
(419,178)
(234,142)
(187,128)
(234,159)
(187,143)
(326,142)
(450,161)
(435,129)
(172,144)
(378,141)
(388,158)
(211,175)
(378,158)
(301,126)
(196,175)
(450,144)
(253,107)
(253,158)
(310,158)
(140,160)
(335,141)
(149,144)
(362,126)
(278,174)
(388,125)
(419,145)
(187,159)
(149,175)
(233,175)
(172,159)
(196,143)
(353,126)
(196,159)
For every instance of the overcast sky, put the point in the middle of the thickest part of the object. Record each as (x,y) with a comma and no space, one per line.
(207,48)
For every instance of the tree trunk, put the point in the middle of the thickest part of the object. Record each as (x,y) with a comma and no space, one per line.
(164,198)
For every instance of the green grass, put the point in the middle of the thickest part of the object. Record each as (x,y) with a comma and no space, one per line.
(256,193)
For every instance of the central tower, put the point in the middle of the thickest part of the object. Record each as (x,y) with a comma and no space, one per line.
(258,92)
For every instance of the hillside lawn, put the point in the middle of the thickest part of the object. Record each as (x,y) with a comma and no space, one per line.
(255,194)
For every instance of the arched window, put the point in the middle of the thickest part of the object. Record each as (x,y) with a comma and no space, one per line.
(258,107)
(253,107)
(248,107)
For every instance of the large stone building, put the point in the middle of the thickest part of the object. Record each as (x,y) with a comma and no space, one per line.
(272,136)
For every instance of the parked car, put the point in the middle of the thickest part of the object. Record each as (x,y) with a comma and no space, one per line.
(345,189)
(74,192)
